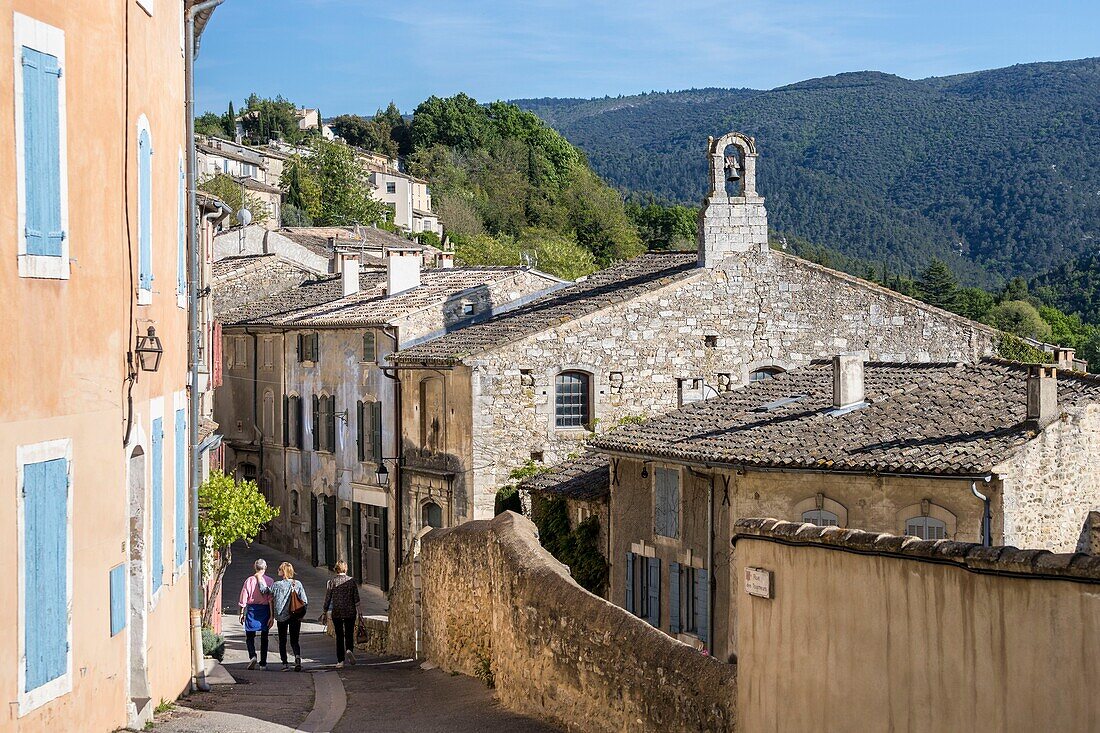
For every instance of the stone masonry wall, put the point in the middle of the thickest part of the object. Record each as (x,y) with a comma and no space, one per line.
(1050,507)
(492,597)
(763,308)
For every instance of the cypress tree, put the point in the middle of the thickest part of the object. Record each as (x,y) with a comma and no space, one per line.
(938,286)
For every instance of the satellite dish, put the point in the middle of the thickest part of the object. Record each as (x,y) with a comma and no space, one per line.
(244,216)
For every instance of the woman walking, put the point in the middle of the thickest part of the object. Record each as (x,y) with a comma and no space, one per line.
(289,602)
(342,599)
(256,616)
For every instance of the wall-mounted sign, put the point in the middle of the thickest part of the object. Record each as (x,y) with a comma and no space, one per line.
(758,582)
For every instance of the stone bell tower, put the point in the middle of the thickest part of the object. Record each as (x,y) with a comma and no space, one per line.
(733,218)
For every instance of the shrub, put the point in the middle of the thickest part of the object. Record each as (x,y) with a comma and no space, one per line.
(213,645)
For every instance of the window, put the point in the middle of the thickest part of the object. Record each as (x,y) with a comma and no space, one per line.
(391,187)
(368,430)
(431,414)
(240,352)
(42,173)
(268,426)
(180,455)
(292,421)
(821,518)
(468,309)
(181,234)
(666,492)
(643,587)
(307,347)
(324,423)
(44,518)
(431,515)
(689,599)
(118,598)
(295,503)
(759,375)
(927,528)
(269,352)
(156,510)
(370,347)
(145,213)
(572,405)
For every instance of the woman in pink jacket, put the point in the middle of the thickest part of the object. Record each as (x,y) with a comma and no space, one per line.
(256,612)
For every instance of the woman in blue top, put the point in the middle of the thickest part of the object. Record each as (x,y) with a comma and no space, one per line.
(285,617)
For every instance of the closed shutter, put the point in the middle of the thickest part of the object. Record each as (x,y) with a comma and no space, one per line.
(376,430)
(654,564)
(45,569)
(629,600)
(316,424)
(157,509)
(286,420)
(42,153)
(702,604)
(145,211)
(299,427)
(331,437)
(181,488)
(118,598)
(360,426)
(674,598)
(181,248)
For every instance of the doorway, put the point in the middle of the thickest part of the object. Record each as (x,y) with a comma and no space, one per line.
(375,556)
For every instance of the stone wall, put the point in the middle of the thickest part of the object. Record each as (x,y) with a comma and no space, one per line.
(1053,482)
(762,308)
(256,279)
(493,600)
(876,632)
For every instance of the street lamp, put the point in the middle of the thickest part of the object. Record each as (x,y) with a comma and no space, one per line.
(149,351)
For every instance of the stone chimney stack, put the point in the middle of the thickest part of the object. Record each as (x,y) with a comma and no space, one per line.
(446,260)
(847,380)
(1063,358)
(1042,394)
(402,269)
(733,219)
(350,275)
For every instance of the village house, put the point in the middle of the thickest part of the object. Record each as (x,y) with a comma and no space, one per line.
(410,199)
(257,170)
(307,408)
(642,338)
(994,452)
(94,424)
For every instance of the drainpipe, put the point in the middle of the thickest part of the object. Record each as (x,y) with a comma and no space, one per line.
(395,482)
(710,562)
(198,666)
(987,514)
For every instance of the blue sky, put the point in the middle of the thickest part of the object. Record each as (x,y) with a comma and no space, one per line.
(357,55)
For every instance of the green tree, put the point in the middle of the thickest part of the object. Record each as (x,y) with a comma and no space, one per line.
(1016,289)
(345,194)
(1020,318)
(938,286)
(229,122)
(229,511)
(209,124)
(303,192)
(236,196)
(577,547)
(974,303)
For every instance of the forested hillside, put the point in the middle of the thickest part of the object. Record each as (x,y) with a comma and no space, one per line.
(994,172)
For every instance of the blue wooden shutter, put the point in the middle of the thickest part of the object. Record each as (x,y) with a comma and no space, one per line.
(181,277)
(118,598)
(702,603)
(157,508)
(145,211)
(654,591)
(181,488)
(674,598)
(42,153)
(45,569)
(629,582)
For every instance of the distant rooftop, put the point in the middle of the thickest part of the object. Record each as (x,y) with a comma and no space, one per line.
(584,478)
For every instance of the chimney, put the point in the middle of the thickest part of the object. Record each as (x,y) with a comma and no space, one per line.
(1042,394)
(350,273)
(847,380)
(446,260)
(402,269)
(1063,357)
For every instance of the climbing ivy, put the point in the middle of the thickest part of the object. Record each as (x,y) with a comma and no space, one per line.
(577,547)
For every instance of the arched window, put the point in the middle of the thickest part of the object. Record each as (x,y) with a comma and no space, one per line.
(768,372)
(370,347)
(573,400)
(431,515)
(295,503)
(927,528)
(821,518)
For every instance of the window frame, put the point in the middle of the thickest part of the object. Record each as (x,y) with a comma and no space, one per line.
(764,373)
(587,403)
(658,470)
(47,39)
(370,357)
(29,700)
(314,340)
(424,508)
(821,512)
(929,522)
(181,254)
(144,295)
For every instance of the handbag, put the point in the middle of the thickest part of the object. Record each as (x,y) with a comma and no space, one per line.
(297,605)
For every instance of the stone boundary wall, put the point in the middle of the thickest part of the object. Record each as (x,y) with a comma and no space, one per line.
(493,601)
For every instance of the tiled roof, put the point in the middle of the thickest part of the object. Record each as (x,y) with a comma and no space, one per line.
(584,478)
(232,265)
(253,185)
(322,303)
(935,419)
(616,284)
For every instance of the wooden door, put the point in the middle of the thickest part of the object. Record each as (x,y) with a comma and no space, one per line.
(374,545)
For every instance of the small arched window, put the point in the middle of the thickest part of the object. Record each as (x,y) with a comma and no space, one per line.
(768,372)
(573,400)
(927,528)
(431,515)
(821,517)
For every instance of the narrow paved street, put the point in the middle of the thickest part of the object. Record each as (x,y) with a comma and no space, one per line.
(377,694)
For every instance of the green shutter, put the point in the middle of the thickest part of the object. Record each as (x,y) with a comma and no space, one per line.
(376,430)
(360,439)
(316,422)
(331,437)
(286,420)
